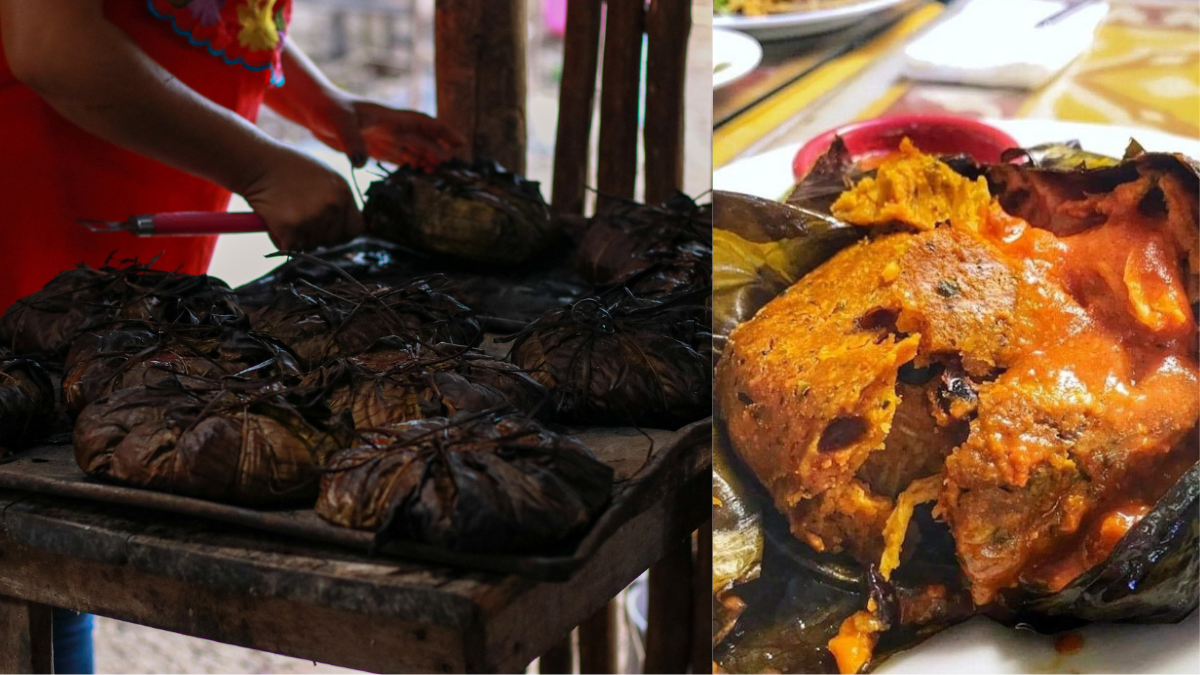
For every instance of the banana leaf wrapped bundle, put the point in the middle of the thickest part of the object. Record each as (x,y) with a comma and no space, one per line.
(504,301)
(125,354)
(626,237)
(618,361)
(320,324)
(46,321)
(394,382)
(494,482)
(873,344)
(26,401)
(244,444)
(477,212)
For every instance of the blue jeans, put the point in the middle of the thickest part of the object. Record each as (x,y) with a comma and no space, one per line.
(72,642)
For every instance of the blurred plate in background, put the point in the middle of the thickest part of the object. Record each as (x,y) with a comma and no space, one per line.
(805,22)
(735,55)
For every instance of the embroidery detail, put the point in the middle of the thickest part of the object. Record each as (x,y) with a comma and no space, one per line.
(258,26)
(208,12)
(247,33)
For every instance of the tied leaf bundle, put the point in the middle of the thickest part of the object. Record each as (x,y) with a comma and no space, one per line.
(117,356)
(393,382)
(247,444)
(476,212)
(664,247)
(46,321)
(494,482)
(347,317)
(26,401)
(618,361)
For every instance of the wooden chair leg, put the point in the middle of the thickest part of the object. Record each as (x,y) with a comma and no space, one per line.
(25,637)
(669,620)
(559,659)
(598,641)
(702,601)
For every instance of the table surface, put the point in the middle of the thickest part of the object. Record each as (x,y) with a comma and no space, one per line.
(244,587)
(1142,69)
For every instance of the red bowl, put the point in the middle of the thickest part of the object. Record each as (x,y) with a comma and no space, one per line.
(936,134)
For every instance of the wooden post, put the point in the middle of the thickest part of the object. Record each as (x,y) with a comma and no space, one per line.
(559,659)
(598,641)
(25,637)
(669,619)
(668,24)
(616,166)
(481,82)
(576,97)
(702,601)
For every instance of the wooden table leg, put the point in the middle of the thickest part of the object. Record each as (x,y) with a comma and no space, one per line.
(25,637)
(559,659)
(669,620)
(598,641)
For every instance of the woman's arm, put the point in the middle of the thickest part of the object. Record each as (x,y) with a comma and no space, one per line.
(94,75)
(356,126)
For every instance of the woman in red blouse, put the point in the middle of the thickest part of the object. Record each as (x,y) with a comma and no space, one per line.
(110,108)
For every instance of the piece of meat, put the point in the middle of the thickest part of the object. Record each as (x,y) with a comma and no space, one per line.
(807,388)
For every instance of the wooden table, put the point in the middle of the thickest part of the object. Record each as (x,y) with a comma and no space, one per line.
(242,587)
(1142,69)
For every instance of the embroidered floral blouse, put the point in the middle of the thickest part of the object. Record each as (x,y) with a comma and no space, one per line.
(245,33)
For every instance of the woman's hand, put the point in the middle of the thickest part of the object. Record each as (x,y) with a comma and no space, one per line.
(356,126)
(363,129)
(304,203)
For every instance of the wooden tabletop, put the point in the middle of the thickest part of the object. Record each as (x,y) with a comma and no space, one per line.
(243,587)
(1142,69)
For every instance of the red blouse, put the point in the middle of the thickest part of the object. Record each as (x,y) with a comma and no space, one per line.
(52,172)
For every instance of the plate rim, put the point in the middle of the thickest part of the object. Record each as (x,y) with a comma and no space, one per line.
(801,18)
(739,70)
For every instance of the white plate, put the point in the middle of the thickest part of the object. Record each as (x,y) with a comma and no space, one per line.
(981,645)
(734,56)
(795,24)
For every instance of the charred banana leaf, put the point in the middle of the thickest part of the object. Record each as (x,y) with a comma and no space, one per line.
(737,540)
(475,212)
(626,237)
(320,324)
(760,248)
(618,362)
(46,321)
(495,482)
(251,445)
(1152,576)
(26,402)
(113,357)
(393,382)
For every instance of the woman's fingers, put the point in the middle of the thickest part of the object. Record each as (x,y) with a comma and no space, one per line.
(391,132)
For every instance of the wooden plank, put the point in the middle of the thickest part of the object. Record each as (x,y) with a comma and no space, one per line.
(668,25)
(53,470)
(576,98)
(559,659)
(25,637)
(238,586)
(616,168)
(669,619)
(481,79)
(598,640)
(702,601)
(522,618)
